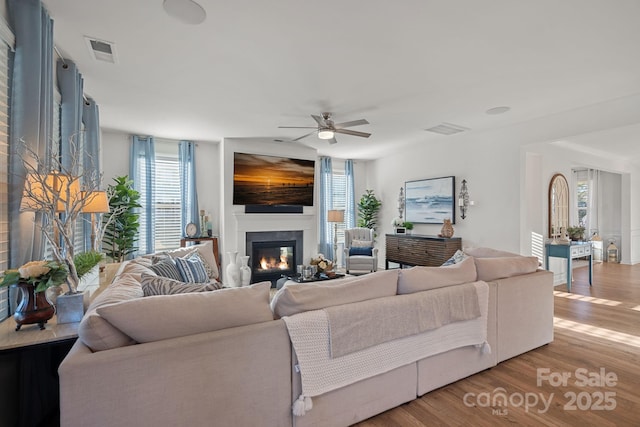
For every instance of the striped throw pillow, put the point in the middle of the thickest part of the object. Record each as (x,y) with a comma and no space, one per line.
(191,269)
(167,268)
(157,285)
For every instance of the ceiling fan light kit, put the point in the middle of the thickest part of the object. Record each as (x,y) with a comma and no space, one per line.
(326,128)
(325,134)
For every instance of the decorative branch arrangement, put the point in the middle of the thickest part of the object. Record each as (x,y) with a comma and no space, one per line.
(58,192)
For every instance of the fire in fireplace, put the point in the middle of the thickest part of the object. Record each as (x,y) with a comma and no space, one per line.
(271,260)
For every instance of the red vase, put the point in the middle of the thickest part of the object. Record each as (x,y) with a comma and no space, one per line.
(34,307)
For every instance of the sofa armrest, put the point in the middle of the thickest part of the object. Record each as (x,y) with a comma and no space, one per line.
(524,313)
(227,377)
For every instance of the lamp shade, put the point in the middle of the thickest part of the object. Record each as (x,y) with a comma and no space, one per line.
(335,216)
(96,202)
(49,192)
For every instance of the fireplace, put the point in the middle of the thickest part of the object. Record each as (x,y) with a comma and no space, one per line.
(273,254)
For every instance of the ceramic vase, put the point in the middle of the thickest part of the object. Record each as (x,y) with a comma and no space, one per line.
(447,229)
(233,277)
(245,271)
(34,307)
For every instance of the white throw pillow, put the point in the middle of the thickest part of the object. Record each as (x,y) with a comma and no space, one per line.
(361,243)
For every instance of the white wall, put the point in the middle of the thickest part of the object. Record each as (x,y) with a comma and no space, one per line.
(508,173)
(619,218)
(492,171)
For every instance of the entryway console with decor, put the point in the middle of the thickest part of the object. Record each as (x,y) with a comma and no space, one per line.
(417,249)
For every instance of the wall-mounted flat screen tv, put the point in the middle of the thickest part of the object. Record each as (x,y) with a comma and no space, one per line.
(271,180)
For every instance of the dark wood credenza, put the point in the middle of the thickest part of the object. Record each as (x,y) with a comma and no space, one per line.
(417,249)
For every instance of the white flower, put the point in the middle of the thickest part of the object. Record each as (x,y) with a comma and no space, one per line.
(33,269)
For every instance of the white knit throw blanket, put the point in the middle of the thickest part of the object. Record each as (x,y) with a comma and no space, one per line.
(309,333)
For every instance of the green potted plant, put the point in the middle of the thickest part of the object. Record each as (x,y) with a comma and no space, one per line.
(408,226)
(121,223)
(576,233)
(368,209)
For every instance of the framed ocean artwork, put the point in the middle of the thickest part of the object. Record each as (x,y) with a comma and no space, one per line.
(430,201)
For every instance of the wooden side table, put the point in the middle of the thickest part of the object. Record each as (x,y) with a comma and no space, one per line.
(29,360)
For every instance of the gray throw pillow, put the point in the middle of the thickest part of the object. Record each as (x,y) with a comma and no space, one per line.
(167,268)
(157,285)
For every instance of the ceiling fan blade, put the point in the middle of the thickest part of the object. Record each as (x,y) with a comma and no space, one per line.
(319,120)
(333,141)
(304,136)
(297,127)
(353,132)
(351,123)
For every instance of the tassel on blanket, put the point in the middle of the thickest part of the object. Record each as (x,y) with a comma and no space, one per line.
(485,347)
(302,405)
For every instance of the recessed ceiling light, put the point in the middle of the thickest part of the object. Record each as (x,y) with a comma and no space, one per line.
(185,11)
(498,110)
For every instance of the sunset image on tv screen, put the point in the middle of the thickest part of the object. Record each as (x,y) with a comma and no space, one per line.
(271,180)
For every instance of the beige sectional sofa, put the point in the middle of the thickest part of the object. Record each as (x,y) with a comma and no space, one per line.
(226,357)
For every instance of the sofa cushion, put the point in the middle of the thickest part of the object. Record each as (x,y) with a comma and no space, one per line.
(417,279)
(157,285)
(166,268)
(94,331)
(192,269)
(297,298)
(162,317)
(488,253)
(499,268)
(136,267)
(206,253)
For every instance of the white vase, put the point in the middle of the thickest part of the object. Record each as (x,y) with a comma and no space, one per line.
(233,278)
(245,271)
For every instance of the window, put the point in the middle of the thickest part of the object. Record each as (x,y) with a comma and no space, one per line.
(339,184)
(167,199)
(167,227)
(5,80)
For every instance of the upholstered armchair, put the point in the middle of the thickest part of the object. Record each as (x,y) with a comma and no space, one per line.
(359,253)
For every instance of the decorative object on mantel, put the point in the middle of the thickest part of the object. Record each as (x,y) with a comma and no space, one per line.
(245,271)
(33,279)
(233,277)
(335,216)
(463,199)
(447,229)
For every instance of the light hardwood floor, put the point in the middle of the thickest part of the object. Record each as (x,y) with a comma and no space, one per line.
(597,329)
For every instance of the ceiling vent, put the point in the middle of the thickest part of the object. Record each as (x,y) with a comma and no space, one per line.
(447,129)
(102,50)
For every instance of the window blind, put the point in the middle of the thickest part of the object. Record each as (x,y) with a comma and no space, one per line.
(339,199)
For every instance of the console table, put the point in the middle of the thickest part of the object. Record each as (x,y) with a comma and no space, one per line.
(417,249)
(570,252)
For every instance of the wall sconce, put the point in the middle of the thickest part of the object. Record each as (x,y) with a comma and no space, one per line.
(401,201)
(463,199)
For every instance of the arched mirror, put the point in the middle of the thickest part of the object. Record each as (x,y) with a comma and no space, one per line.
(558,205)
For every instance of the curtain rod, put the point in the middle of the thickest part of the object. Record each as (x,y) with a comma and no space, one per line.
(55,48)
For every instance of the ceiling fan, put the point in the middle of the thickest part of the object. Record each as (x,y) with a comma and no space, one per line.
(326,128)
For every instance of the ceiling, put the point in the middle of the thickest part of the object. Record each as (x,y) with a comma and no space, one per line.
(405,66)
